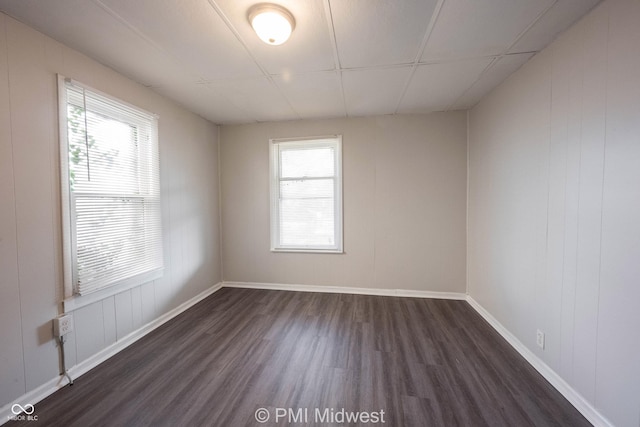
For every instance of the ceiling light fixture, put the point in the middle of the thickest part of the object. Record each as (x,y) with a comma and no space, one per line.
(272,23)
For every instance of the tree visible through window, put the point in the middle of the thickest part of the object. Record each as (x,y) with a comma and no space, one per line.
(111,187)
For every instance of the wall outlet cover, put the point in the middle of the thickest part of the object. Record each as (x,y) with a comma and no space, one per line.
(540,339)
(62,325)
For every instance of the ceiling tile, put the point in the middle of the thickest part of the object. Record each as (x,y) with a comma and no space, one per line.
(192,32)
(206,102)
(559,18)
(472,28)
(308,49)
(379,32)
(86,27)
(259,97)
(495,75)
(374,91)
(313,94)
(436,87)
(174,45)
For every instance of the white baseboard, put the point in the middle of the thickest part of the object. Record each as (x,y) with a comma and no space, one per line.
(51,386)
(33,397)
(93,361)
(344,290)
(579,402)
(575,398)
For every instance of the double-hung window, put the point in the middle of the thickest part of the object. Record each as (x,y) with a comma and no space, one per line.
(110,191)
(306,194)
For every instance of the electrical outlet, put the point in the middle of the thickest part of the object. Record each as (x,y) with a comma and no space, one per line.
(62,325)
(540,339)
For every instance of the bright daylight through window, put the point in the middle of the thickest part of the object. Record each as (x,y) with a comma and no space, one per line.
(306,194)
(111,191)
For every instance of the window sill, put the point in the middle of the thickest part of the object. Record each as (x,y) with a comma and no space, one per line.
(309,251)
(77,301)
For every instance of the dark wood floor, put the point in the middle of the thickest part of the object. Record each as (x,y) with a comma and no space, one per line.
(424,362)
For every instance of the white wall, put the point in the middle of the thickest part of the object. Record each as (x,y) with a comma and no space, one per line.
(404,187)
(30,234)
(554,207)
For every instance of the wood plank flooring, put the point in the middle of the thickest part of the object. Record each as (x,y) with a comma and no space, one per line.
(423,362)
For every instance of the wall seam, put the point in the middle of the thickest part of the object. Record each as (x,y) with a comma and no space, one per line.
(375,192)
(577,242)
(548,178)
(467,291)
(54,173)
(220,257)
(15,204)
(565,137)
(604,167)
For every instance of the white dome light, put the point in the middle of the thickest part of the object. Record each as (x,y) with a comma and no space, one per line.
(272,23)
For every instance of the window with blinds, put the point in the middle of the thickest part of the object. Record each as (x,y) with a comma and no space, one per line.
(306,194)
(111,191)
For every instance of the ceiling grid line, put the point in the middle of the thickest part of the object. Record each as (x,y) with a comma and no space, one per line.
(396,66)
(197,77)
(484,72)
(141,34)
(265,73)
(489,66)
(332,33)
(503,54)
(531,25)
(336,56)
(345,58)
(427,35)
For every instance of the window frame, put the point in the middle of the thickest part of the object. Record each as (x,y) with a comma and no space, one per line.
(73,299)
(275,144)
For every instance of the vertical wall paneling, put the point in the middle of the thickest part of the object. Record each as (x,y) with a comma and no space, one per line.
(404,188)
(541,138)
(618,369)
(177,220)
(556,203)
(594,50)
(409,178)
(30,233)
(573,60)
(136,308)
(148,302)
(109,312)
(89,325)
(163,284)
(70,350)
(54,61)
(11,353)
(124,314)
(31,103)
(508,169)
(586,301)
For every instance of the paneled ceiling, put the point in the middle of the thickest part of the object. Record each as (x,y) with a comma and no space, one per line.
(344,58)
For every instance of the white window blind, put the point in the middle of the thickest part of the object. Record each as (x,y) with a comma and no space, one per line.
(306,195)
(111,190)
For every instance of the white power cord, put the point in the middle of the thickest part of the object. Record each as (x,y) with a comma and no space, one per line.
(64,367)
